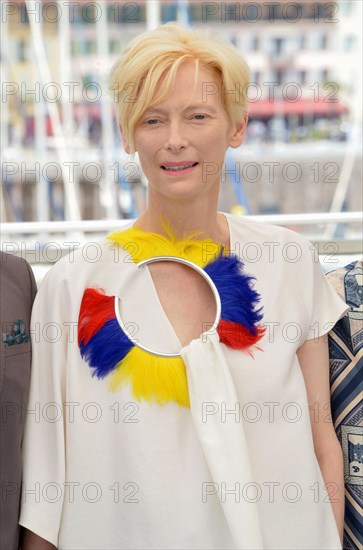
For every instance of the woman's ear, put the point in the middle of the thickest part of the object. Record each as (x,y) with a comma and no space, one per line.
(125,141)
(238,132)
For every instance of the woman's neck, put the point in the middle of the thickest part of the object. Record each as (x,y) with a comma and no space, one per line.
(209,223)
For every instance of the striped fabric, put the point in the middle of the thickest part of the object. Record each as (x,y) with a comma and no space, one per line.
(346,378)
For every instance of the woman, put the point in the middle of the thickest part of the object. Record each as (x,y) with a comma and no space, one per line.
(216,448)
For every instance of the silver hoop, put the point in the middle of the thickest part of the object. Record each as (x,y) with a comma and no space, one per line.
(196,268)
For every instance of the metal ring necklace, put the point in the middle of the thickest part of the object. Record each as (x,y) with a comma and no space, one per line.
(198,270)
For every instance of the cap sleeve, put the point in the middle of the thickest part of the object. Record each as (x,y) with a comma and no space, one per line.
(326,306)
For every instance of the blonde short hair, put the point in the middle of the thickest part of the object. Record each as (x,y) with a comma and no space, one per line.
(134,77)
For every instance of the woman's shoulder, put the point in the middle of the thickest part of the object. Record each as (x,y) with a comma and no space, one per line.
(246,230)
(80,258)
(90,260)
(263,245)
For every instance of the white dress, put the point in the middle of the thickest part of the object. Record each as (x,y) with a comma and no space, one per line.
(236,470)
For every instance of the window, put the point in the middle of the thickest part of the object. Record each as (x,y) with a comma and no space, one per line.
(78,47)
(22,51)
(169,12)
(302,77)
(323,42)
(278,77)
(256,77)
(89,80)
(84,47)
(255,44)
(90,47)
(174,11)
(251,11)
(230,11)
(89,13)
(324,75)
(349,43)
(115,46)
(276,47)
(24,17)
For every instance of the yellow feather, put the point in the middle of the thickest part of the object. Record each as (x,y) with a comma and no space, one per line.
(143,245)
(152,378)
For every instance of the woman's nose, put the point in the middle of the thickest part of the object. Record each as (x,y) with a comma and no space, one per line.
(176,136)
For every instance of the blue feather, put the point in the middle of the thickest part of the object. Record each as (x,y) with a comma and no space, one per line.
(106,348)
(235,289)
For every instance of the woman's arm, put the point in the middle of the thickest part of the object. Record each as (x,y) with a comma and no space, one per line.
(314,360)
(31,541)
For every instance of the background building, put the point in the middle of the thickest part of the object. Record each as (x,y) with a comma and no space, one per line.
(62,155)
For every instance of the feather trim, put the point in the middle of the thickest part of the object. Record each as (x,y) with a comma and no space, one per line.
(235,289)
(107,349)
(101,341)
(142,245)
(96,309)
(155,379)
(236,336)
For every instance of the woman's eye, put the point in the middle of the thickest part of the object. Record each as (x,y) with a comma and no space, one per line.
(151,121)
(200,117)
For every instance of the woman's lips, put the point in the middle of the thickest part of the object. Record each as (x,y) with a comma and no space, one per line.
(178,168)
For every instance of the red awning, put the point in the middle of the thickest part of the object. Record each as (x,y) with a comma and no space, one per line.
(265,108)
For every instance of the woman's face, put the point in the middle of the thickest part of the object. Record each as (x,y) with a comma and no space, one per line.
(182,141)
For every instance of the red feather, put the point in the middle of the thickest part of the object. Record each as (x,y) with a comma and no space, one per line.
(237,336)
(96,309)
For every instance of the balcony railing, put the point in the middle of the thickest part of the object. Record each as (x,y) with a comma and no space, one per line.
(44,243)
(94,226)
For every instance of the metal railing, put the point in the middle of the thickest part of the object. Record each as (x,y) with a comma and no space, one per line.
(44,243)
(94,226)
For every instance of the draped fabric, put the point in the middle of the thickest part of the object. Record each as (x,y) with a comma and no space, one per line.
(224,444)
(346,380)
